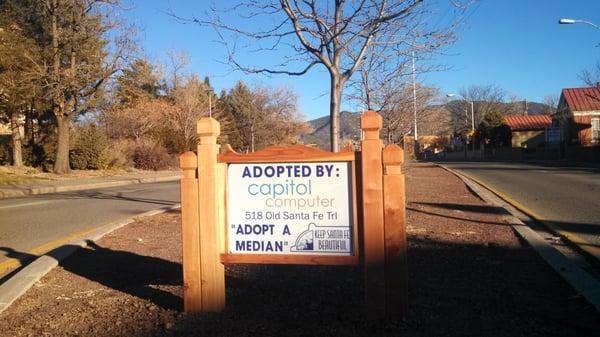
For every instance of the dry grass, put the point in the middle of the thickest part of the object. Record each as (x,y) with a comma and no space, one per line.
(27,175)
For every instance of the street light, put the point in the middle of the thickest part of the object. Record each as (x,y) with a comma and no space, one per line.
(472,118)
(466,100)
(566,21)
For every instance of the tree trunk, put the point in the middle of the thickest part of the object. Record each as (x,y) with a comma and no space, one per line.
(16,139)
(334,111)
(61,163)
(252,137)
(29,128)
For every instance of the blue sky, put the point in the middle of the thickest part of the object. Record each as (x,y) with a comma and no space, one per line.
(515,44)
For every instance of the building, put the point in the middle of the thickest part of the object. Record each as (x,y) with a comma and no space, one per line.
(578,114)
(528,131)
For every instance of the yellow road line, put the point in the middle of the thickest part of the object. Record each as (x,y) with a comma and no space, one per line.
(573,237)
(13,263)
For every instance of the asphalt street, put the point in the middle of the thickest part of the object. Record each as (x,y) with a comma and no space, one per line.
(567,197)
(34,224)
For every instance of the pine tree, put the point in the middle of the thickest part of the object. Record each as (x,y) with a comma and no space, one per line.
(19,57)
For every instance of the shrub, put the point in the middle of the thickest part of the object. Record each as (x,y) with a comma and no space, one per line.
(151,156)
(90,151)
(120,154)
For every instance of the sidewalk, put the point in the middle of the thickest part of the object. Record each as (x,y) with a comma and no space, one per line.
(87,183)
(469,275)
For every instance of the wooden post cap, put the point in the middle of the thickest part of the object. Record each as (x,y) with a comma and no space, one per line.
(393,155)
(208,126)
(371,122)
(188,161)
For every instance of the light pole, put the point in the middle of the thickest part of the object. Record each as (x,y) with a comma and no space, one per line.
(209,92)
(414,79)
(566,21)
(472,116)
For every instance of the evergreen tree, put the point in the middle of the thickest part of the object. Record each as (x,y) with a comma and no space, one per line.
(75,48)
(248,117)
(139,81)
(19,59)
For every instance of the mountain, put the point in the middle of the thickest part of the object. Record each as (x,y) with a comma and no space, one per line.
(435,119)
(349,129)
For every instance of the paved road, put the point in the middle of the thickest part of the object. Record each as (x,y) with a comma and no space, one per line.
(34,224)
(567,197)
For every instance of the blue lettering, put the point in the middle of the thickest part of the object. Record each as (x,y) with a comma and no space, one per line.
(257,171)
(258,246)
(269,171)
(306,171)
(319,171)
(246,172)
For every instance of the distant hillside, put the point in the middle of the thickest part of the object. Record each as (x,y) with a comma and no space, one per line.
(433,120)
(349,129)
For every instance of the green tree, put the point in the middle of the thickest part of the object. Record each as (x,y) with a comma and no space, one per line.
(492,128)
(230,133)
(140,80)
(75,47)
(19,59)
(241,102)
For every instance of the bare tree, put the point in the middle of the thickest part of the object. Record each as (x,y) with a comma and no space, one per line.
(178,60)
(551,102)
(486,99)
(190,98)
(336,35)
(282,123)
(398,111)
(135,121)
(591,77)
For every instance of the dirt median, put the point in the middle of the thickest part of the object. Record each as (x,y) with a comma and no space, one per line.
(469,275)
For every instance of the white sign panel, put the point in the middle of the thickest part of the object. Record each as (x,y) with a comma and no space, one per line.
(290,208)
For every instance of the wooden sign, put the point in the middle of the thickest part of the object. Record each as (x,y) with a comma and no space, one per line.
(294,205)
(291,212)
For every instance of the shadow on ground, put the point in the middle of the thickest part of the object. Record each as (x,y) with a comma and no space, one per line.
(454,290)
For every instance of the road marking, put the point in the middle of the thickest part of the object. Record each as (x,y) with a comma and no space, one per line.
(25,204)
(13,263)
(582,243)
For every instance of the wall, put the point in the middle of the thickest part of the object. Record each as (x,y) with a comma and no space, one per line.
(585,136)
(528,139)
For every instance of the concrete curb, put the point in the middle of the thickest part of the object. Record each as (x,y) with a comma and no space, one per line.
(17,285)
(81,187)
(581,281)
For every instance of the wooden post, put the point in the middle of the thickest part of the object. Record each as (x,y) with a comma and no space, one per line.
(394,199)
(372,195)
(209,201)
(190,232)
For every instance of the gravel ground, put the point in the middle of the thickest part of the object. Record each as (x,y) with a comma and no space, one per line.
(469,275)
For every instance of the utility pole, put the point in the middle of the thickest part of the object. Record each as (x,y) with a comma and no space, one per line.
(209,92)
(414,77)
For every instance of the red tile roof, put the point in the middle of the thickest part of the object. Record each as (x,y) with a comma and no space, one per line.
(529,122)
(582,99)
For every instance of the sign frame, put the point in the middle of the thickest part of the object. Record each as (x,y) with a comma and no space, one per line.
(294,154)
